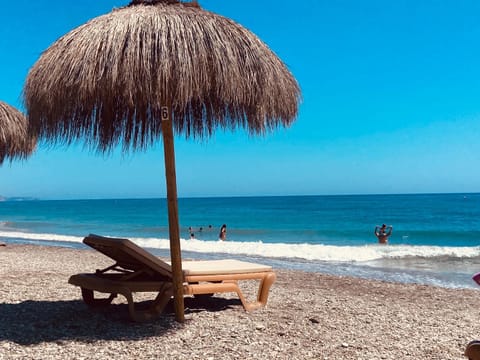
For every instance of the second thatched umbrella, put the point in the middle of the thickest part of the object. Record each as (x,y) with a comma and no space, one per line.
(153,68)
(15,140)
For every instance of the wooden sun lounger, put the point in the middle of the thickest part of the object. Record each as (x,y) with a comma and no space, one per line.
(136,270)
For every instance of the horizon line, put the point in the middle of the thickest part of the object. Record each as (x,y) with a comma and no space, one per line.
(30,198)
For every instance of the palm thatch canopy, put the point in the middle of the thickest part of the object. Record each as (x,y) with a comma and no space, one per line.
(107,81)
(15,141)
(151,68)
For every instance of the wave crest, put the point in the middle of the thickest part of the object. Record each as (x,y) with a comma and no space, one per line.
(309,252)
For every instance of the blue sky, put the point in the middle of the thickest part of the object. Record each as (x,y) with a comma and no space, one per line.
(390,104)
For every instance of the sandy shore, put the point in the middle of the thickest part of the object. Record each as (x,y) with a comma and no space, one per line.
(309,316)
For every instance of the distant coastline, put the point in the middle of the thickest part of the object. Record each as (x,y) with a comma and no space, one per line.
(3,198)
(219,197)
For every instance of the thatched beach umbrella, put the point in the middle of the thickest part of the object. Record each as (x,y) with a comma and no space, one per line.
(15,140)
(152,68)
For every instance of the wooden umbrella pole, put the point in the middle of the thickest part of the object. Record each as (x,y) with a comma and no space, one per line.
(173,223)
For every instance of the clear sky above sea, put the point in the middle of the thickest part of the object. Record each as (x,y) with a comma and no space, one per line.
(390,104)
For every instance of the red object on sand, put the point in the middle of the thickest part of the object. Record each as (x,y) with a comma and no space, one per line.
(476,278)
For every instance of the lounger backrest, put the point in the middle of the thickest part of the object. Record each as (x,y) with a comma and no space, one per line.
(127,254)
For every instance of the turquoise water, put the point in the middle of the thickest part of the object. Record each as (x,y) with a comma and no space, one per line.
(435,240)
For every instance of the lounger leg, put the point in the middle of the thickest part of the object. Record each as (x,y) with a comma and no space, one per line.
(263,291)
(248,306)
(163,297)
(90,300)
(264,288)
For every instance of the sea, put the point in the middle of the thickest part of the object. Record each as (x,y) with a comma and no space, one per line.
(435,239)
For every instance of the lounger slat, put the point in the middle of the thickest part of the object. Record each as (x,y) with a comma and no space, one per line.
(227,266)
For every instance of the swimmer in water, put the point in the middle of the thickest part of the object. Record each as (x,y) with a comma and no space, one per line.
(382,233)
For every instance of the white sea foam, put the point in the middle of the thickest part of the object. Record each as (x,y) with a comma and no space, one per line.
(310,252)
(314,252)
(41,237)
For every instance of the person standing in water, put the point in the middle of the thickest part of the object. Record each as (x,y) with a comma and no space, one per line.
(383,232)
(223,233)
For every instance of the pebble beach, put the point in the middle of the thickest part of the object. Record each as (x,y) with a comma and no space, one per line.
(308,316)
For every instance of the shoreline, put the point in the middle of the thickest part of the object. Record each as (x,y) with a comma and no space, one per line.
(450,273)
(308,316)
